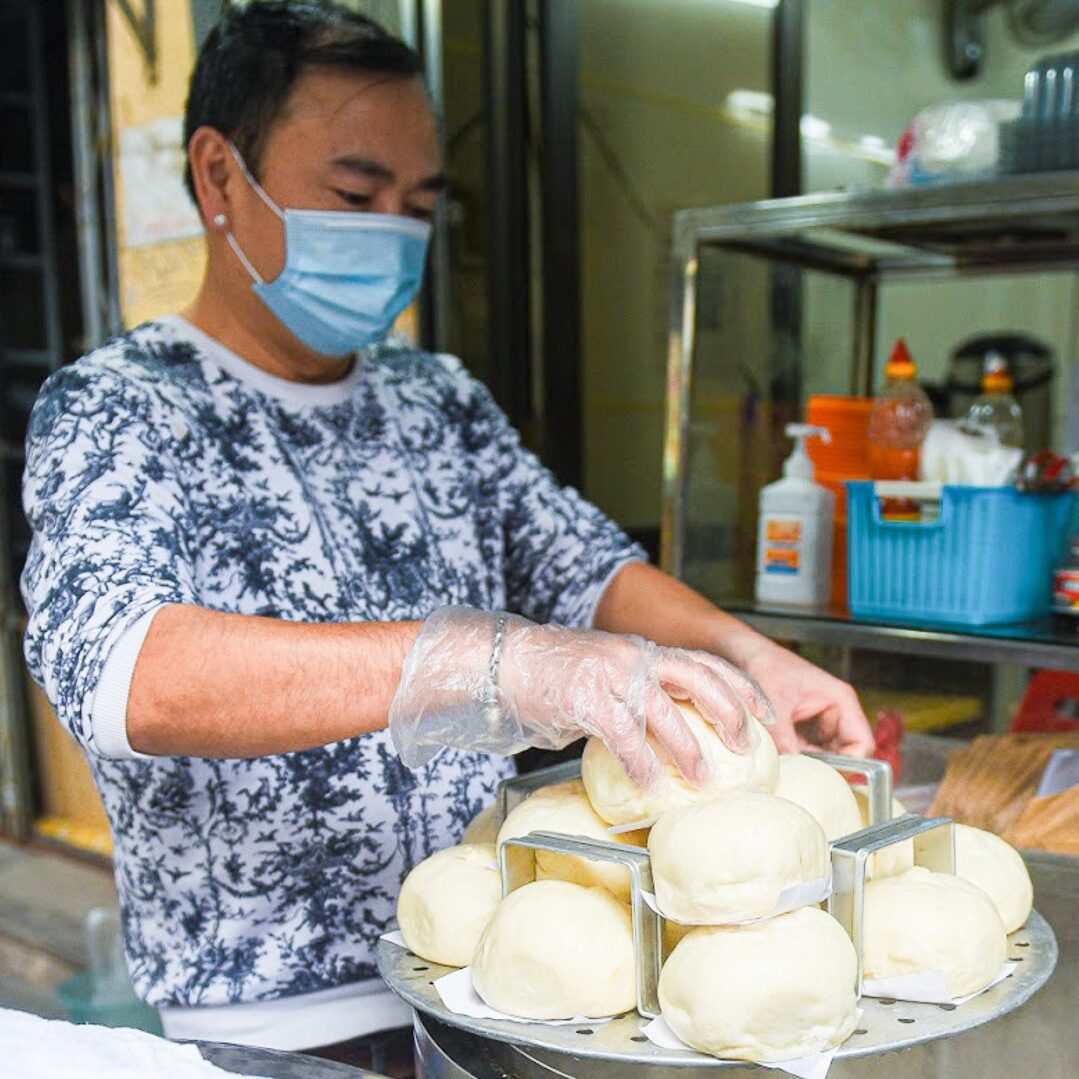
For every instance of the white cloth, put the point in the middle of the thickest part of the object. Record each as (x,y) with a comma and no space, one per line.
(36,1048)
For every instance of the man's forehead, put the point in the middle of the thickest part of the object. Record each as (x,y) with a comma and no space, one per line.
(336,103)
(344,116)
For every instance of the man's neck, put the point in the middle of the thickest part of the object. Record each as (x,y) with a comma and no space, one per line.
(257,337)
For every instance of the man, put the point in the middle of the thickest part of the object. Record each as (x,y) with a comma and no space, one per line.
(242,517)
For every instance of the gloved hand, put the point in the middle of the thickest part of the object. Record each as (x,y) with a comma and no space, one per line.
(546,685)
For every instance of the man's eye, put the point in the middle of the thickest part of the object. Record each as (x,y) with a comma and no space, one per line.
(354,198)
(424,213)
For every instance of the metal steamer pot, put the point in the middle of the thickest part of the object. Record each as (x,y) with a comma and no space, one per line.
(893,1038)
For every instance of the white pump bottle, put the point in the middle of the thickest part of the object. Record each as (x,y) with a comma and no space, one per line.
(794,536)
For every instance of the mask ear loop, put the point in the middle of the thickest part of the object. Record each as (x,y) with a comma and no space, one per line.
(258,189)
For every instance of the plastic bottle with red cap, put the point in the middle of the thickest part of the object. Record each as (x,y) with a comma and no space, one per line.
(898,424)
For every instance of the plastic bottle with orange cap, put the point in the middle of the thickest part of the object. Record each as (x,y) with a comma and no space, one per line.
(996,413)
(898,425)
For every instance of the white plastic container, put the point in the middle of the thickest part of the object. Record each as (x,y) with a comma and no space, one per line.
(794,537)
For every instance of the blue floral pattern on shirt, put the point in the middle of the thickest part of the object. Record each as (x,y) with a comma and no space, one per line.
(154,476)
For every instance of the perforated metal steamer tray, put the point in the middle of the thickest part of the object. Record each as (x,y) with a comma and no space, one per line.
(885,1025)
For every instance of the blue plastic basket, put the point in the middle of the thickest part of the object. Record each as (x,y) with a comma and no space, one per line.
(988,559)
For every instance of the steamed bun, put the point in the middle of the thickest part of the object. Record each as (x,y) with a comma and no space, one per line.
(564,807)
(555,950)
(822,791)
(618,800)
(923,921)
(989,863)
(771,991)
(727,860)
(483,828)
(446,902)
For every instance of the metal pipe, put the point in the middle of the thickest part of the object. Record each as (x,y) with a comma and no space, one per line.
(560,232)
(788,37)
(103,141)
(87,211)
(16,762)
(50,289)
(408,20)
(507,185)
(680,350)
(865,336)
(438,316)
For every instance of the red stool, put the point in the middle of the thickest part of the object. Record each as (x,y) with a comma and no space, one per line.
(1041,711)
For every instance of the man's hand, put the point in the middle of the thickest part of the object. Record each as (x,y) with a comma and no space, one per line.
(547,685)
(813,709)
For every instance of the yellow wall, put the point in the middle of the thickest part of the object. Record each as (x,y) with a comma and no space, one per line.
(155,279)
(159,278)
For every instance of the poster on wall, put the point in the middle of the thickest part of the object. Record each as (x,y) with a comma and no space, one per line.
(156,205)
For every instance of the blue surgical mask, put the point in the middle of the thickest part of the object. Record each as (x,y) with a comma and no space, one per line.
(347,275)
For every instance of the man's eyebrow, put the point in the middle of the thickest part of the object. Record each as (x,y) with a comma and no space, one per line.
(364,166)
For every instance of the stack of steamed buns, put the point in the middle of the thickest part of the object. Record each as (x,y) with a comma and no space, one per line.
(739,982)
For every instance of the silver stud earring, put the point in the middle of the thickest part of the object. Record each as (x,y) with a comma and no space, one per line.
(220,221)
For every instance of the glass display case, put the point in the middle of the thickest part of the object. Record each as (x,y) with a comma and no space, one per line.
(775,301)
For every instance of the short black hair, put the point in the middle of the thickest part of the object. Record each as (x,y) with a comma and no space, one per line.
(251,59)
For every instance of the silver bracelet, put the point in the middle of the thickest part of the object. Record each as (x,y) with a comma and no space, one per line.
(490,685)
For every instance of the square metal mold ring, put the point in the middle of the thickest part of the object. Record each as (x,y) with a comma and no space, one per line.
(877,774)
(517,862)
(934,848)
(878,777)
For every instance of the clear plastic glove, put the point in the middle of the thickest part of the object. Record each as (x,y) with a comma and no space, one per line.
(552,685)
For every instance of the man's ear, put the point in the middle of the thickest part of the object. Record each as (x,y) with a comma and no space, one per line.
(212,166)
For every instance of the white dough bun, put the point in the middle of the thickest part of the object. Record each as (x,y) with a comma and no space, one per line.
(822,791)
(555,950)
(446,902)
(922,921)
(618,800)
(727,860)
(565,808)
(995,866)
(483,828)
(772,991)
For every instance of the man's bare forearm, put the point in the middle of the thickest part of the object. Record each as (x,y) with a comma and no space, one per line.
(209,684)
(644,600)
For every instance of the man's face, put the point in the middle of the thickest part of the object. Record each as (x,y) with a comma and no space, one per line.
(345,141)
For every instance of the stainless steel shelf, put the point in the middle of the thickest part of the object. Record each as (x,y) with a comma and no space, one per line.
(868,238)
(1032,644)
(1005,224)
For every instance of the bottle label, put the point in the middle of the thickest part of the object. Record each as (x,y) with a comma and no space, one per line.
(782,545)
(783,529)
(1066,589)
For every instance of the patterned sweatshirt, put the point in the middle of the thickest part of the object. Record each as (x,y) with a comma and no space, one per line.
(162,469)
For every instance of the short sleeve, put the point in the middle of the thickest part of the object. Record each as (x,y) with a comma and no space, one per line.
(110,542)
(561,552)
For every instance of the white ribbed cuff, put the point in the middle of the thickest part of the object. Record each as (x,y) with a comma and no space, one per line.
(108,713)
(296,1023)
